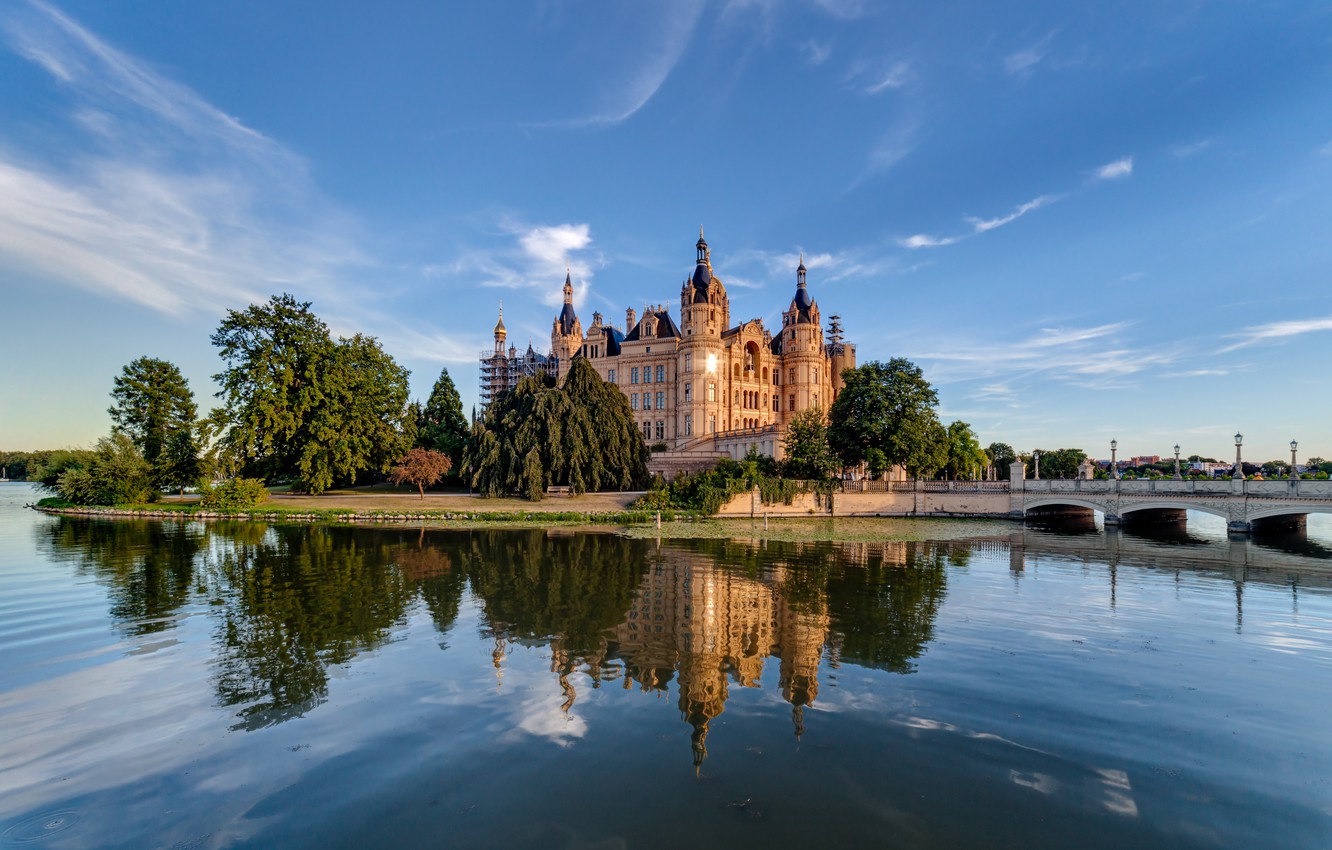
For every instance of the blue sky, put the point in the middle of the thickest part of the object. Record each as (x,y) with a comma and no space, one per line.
(1084,220)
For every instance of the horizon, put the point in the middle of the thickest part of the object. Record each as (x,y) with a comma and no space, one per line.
(1082,223)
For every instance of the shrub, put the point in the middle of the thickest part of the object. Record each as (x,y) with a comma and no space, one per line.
(1321,476)
(115,473)
(233,494)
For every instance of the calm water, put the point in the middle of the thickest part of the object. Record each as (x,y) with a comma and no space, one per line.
(189,685)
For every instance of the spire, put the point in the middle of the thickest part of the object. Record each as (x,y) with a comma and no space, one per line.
(800,271)
(568,286)
(500,331)
(702,246)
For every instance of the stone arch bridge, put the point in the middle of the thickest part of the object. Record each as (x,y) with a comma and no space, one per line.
(1245,505)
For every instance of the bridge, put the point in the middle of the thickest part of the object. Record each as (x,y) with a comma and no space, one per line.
(1246,506)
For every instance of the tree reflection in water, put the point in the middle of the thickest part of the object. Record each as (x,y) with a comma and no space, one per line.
(706,615)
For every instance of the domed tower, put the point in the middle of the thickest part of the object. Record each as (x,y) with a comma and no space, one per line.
(566,332)
(501,333)
(805,379)
(705,312)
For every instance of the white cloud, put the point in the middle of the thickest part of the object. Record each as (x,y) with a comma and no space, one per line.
(923,240)
(893,77)
(1023,61)
(1279,330)
(984,225)
(537,258)
(1115,170)
(846,10)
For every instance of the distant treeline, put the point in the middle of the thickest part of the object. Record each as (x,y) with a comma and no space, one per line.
(31,466)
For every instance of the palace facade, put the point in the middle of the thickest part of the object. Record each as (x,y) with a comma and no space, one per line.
(702,384)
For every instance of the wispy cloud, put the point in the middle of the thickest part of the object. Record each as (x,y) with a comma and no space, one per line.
(983,225)
(816,52)
(875,76)
(648,70)
(1278,330)
(1022,62)
(1192,148)
(1326,150)
(1115,170)
(846,10)
(978,225)
(164,200)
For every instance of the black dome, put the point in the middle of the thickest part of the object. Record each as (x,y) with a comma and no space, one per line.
(702,276)
(802,299)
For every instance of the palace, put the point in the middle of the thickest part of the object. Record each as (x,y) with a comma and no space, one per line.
(702,385)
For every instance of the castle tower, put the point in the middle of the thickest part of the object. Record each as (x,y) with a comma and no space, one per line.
(806,382)
(566,332)
(501,333)
(705,312)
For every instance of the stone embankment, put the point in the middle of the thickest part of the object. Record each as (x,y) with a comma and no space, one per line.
(378,517)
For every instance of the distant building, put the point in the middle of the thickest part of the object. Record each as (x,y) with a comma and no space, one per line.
(702,383)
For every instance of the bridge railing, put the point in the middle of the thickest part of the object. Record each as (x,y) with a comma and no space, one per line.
(1187,487)
(920,485)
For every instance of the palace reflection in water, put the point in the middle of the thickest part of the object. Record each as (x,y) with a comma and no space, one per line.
(697,618)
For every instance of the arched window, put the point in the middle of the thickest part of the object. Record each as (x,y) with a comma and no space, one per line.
(736,370)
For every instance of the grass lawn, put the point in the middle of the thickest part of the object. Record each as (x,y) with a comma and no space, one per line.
(389,497)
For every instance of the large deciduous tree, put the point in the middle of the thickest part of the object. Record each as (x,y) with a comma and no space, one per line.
(153,403)
(966,459)
(299,404)
(884,415)
(1057,463)
(1002,456)
(581,435)
(805,444)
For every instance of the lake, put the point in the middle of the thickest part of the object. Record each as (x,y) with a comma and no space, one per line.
(190,685)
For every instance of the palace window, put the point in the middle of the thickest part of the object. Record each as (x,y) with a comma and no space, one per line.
(647,374)
(791,407)
(610,375)
(633,401)
(661,373)
(712,391)
(661,400)
(688,362)
(689,388)
(661,430)
(712,424)
(689,425)
(647,401)
(647,430)
(633,375)
(776,404)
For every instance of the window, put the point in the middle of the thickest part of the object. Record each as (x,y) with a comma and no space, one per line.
(647,374)
(689,425)
(712,424)
(792,374)
(633,401)
(661,430)
(647,430)
(791,406)
(776,404)
(647,401)
(633,375)
(813,374)
(689,391)
(688,362)
(712,391)
(661,373)
(661,400)
(610,375)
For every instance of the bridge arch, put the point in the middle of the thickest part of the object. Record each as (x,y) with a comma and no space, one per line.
(1063,502)
(1289,510)
(1169,504)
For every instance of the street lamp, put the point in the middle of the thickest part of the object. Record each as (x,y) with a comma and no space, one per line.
(1114,467)
(1036,456)
(1239,464)
(1177,475)
(1293,446)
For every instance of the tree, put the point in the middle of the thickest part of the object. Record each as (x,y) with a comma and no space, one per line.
(1058,463)
(581,435)
(298,404)
(966,459)
(153,402)
(806,447)
(441,425)
(884,415)
(421,467)
(179,465)
(1002,456)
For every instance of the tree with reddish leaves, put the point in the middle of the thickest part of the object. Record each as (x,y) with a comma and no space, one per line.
(421,467)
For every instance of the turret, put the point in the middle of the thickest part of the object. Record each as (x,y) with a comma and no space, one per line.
(566,332)
(500,331)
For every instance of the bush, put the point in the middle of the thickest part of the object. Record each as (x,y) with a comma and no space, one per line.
(115,473)
(234,494)
(1321,476)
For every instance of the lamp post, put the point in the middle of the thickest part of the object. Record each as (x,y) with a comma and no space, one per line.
(1036,457)
(1177,475)
(1239,463)
(1294,473)
(1114,467)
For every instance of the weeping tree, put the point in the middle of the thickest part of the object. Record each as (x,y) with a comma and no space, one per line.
(580,435)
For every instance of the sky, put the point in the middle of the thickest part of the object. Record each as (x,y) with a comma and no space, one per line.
(1083,220)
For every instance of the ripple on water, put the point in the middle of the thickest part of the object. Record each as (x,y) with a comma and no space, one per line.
(40,827)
